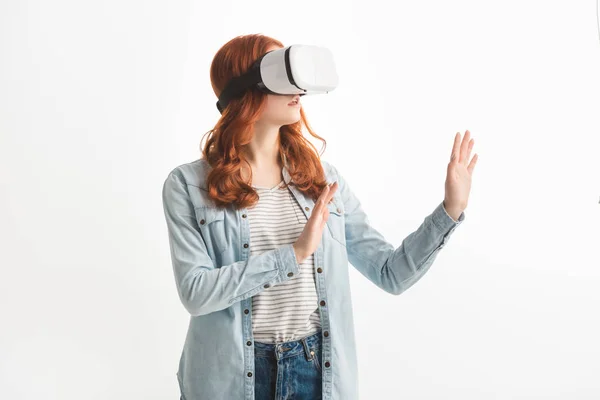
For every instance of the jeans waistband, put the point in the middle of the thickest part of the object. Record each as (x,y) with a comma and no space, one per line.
(289,349)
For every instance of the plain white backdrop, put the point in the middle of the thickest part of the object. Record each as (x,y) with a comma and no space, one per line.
(100,100)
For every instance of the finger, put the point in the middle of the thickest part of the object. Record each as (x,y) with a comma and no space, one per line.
(455,146)
(332,189)
(323,199)
(471,143)
(330,194)
(471,166)
(463,147)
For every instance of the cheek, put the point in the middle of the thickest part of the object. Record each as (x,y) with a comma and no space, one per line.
(277,110)
(276,105)
(269,110)
(271,105)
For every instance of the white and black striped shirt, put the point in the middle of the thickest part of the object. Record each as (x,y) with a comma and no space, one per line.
(289,310)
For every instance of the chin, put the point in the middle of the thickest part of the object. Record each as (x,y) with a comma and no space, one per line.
(295,116)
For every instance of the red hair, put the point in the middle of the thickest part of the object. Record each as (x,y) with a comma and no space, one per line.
(233,131)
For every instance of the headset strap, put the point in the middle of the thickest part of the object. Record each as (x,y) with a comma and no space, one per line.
(238,85)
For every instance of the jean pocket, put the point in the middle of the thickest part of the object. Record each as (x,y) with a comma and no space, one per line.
(211,221)
(336,221)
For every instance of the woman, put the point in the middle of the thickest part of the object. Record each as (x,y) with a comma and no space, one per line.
(265,282)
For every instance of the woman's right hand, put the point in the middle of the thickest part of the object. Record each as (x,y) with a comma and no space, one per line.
(309,239)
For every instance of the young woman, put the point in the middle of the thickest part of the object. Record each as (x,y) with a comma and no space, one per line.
(261,232)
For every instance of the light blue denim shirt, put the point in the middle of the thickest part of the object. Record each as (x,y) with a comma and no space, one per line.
(216,279)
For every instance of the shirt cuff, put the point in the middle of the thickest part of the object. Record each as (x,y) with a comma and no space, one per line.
(287,263)
(443,221)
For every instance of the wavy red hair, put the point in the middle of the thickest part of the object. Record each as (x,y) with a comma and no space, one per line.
(234,130)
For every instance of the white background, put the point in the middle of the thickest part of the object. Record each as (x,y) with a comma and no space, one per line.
(100,100)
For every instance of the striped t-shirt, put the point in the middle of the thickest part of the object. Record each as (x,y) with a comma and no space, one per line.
(289,310)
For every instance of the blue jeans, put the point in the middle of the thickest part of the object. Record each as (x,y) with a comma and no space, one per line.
(288,370)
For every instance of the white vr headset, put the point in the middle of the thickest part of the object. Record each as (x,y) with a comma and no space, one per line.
(296,69)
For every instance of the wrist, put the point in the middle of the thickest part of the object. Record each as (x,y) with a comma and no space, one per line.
(453,212)
(299,254)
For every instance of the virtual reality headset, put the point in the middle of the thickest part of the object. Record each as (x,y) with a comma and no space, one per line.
(296,69)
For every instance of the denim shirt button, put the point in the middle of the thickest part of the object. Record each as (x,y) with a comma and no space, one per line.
(322,302)
(290,274)
(249,343)
(245,245)
(267,286)
(319,270)
(246,311)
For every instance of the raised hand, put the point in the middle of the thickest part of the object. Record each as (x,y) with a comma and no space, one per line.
(309,239)
(458,176)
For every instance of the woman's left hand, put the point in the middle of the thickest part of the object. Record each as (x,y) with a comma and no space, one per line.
(458,176)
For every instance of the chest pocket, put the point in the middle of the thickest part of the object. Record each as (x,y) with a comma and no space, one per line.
(211,221)
(336,221)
